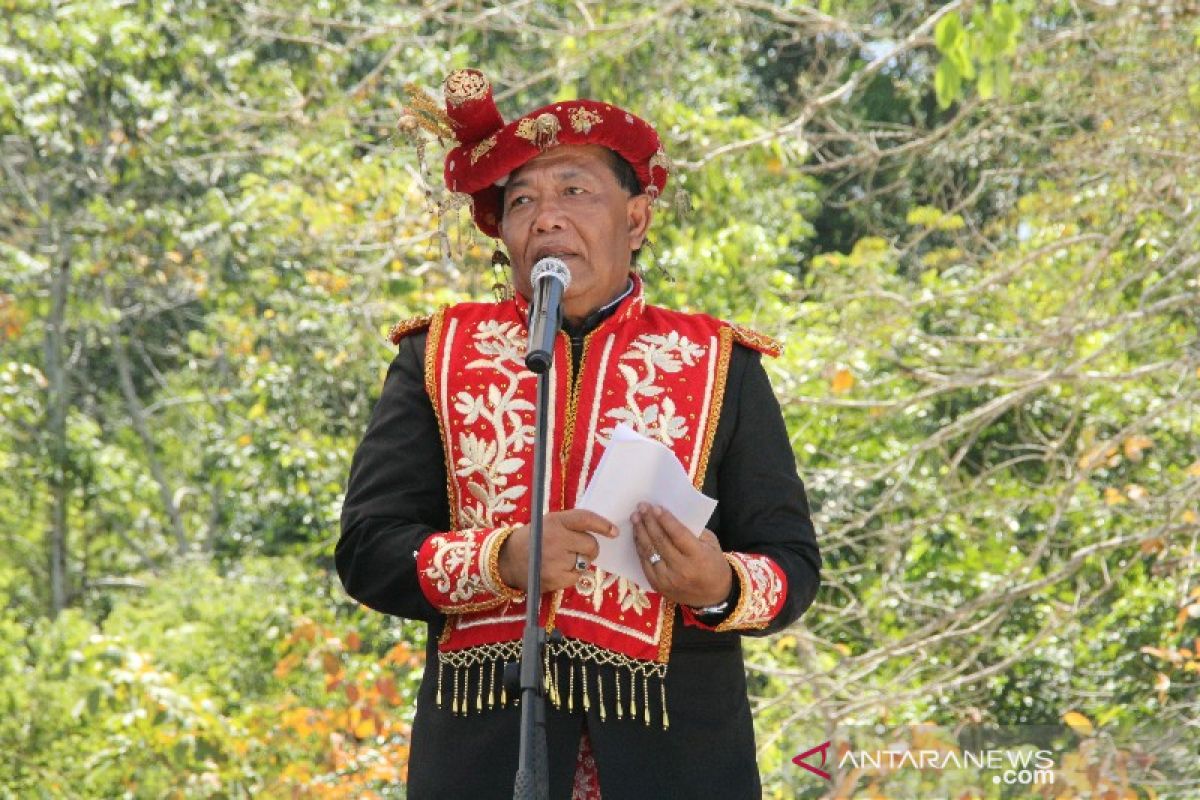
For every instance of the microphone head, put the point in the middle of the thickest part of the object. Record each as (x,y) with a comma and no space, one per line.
(551,267)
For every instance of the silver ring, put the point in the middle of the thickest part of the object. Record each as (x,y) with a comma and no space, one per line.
(654,558)
(580,562)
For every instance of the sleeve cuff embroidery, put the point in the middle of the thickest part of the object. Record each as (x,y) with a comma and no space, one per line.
(763,591)
(459,571)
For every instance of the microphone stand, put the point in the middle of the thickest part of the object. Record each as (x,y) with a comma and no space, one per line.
(533,777)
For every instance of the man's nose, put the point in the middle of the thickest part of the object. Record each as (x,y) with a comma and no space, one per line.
(549,215)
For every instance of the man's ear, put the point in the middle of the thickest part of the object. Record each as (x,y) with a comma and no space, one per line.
(639,214)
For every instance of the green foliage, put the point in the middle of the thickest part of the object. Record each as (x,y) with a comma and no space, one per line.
(977,52)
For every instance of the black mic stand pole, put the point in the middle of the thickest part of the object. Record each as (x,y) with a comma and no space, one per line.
(533,778)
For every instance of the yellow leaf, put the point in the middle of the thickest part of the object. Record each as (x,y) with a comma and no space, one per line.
(843,381)
(175,257)
(1161,684)
(1194,470)
(244,440)
(365,729)
(1189,517)
(1079,723)
(1113,496)
(1134,446)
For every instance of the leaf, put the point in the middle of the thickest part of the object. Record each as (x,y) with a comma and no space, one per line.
(947,83)
(1152,545)
(987,83)
(843,381)
(1161,684)
(1078,723)
(1134,446)
(948,32)
(1113,496)
(509,465)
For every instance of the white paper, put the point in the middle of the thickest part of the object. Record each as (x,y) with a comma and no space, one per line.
(633,470)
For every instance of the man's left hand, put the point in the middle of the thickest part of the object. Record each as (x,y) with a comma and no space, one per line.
(689,570)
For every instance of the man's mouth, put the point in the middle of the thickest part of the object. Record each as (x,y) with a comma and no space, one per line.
(550,252)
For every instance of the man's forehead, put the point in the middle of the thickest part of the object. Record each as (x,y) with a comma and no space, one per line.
(562,160)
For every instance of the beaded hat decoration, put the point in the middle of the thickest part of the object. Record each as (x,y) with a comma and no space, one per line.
(490,149)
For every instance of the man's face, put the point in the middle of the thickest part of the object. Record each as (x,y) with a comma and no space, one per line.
(567,203)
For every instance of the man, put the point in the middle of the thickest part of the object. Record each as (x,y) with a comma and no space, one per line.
(647,689)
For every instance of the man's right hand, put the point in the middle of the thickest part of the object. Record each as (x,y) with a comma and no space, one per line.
(565,536)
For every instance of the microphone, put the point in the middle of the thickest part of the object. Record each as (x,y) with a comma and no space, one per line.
(550,278)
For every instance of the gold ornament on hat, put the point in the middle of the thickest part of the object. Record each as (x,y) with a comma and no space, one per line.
(582,119)
(422,112)
(542,131)
(464,85)
(481,149)
(660,160)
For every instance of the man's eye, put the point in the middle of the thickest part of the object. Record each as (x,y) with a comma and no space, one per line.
(518,200)
(575,190)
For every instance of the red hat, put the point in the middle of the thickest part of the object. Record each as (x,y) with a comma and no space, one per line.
(489,150)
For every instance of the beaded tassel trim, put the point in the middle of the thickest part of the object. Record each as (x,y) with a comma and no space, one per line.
(472,681)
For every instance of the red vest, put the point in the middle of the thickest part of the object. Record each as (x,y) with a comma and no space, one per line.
(661,372)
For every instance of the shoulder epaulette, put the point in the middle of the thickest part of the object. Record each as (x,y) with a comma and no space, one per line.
(406,326)
(756,341)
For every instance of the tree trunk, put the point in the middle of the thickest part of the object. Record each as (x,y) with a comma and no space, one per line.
(57,402)
(137,413)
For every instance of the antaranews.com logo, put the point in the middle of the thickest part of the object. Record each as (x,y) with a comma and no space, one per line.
(1011,766)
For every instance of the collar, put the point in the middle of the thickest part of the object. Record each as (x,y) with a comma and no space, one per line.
(625,306)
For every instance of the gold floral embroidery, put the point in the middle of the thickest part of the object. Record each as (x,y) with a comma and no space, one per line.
(582,119)
(481,149)
(761,592)
(464,85)
(657,353)
(488,462)
(541,131)
(450,569)
(629,596)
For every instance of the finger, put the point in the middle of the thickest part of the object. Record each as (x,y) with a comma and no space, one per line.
(710,539)
(584,521)
(646,544)
(642,541)
(563,542)
(659,539)
(675,531)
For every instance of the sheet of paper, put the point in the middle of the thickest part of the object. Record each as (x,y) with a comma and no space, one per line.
(635,469)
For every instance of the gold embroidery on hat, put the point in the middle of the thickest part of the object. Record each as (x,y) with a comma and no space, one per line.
(481,149)
(464,85)
(541,131)
(583,119)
